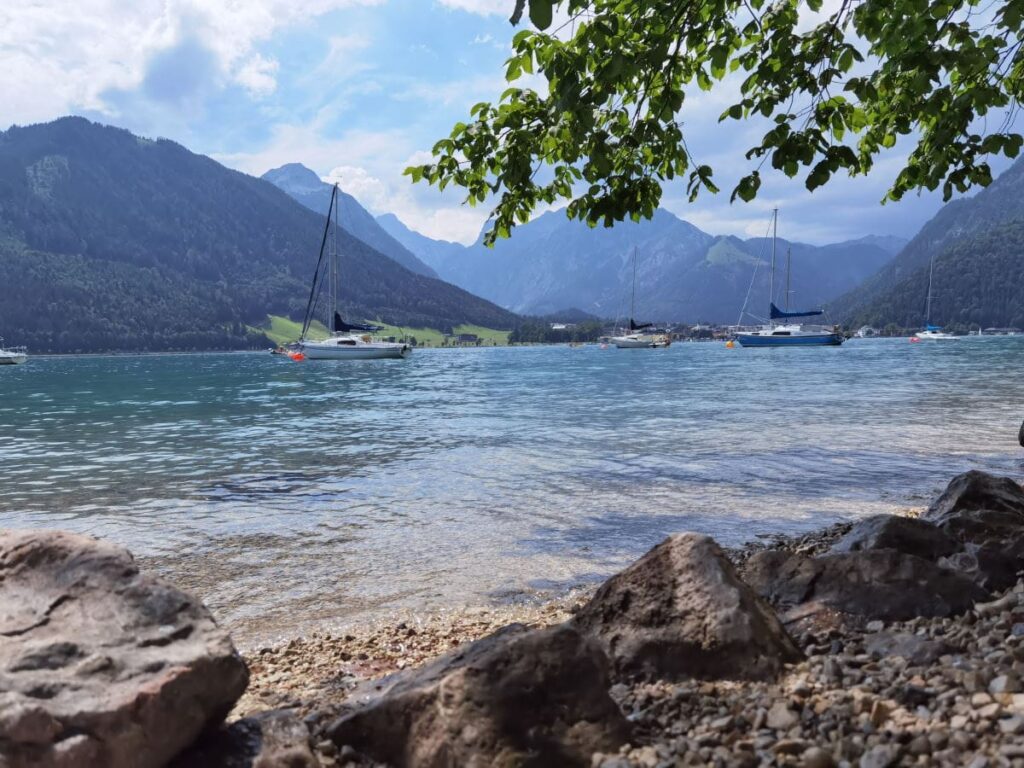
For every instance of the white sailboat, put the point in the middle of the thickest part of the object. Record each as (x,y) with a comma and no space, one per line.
(347,341)
(931,332)
(638,336)
(12,355)
(787,334)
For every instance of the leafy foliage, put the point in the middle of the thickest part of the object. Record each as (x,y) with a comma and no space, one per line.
(108,242)
(830,93)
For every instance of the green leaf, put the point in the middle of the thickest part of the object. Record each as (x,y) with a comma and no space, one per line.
(541,13)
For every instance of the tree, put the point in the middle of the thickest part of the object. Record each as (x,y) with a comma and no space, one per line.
(833,91)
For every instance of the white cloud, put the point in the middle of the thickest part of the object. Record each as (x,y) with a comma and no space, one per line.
(58,57)
(482,7)
(358,182)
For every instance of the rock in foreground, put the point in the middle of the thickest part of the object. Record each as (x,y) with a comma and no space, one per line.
(517,697)
(99,664)
(681,611)
(976,490)
(874,584)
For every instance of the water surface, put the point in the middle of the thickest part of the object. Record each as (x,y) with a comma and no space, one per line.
(289,495)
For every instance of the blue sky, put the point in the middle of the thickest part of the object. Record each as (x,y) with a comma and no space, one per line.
(356,90)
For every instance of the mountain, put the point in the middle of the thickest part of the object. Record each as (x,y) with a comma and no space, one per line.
(974,241)
(683,274)
(111,241)
(306,187)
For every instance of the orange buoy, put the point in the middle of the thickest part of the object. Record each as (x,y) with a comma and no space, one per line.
(730,344)
(298,357)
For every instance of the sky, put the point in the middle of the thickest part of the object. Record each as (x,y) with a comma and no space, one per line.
(357,90)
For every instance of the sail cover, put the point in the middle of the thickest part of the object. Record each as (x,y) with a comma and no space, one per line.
(933,327)
(340,326)
(634,326)
(778,314)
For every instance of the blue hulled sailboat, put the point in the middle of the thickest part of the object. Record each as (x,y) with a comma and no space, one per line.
(789,334)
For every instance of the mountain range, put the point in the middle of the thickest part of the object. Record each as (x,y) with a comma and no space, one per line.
(682,273)
(112,241)
(977,244)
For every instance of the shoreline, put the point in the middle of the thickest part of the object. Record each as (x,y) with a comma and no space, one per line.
(302,670)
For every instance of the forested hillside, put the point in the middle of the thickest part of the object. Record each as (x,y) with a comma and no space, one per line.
(978,281)
(976,244)
(109,241)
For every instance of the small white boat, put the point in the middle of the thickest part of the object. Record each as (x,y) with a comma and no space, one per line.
(12,355)
(635,338)
(347,341)
(641,341)
(349,346)
(931,332)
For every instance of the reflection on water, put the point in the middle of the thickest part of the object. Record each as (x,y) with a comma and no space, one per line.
(339,490)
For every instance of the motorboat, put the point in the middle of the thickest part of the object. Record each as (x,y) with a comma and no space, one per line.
(12,355)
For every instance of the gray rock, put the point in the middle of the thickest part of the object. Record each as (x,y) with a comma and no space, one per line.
(974,491)
(276,739)
(917,650)
(873,584)
(682,611)
(100,664)
(506,699)
(781,717)
(904,534)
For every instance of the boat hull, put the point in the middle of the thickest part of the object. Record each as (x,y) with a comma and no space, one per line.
(803,340)
(316,351)
(641,342)
(13,359)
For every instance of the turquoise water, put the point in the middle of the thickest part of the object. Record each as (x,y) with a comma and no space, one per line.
(341,491)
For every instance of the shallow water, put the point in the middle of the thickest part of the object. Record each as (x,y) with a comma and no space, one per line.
(292,495)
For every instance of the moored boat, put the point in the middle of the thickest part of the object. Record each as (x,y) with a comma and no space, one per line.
(347,341)
(642,335)
(12,355)
(788,334)
(931,332)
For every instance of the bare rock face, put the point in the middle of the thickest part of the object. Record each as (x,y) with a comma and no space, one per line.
(682,611)
(515,698)
(275,739)
(101,665)
(974,491)
(874,584)
(904,534)
(985,514)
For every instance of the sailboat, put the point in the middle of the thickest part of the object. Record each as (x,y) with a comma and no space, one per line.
(788,334)
(639,335)
(931,332)
(348,341)
(12,355)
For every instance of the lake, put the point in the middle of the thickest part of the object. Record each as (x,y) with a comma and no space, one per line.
(294,495)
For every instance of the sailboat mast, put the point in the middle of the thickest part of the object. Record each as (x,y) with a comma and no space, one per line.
(632,300)
(771,278)
(928,298)
(335,265)
(789,258)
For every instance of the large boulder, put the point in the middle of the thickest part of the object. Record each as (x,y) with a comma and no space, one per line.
(101,665)
(904,534)
(682,611)
(517,697)
(873,584)
(985,514)
(975,490)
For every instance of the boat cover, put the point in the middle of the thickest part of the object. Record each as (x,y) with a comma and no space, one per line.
(340,326)
(778,314)
(634,326)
